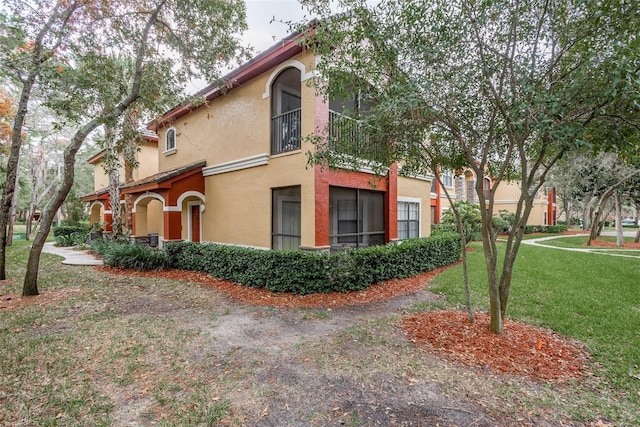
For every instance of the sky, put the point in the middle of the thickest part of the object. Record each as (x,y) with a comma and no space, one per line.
(262,32)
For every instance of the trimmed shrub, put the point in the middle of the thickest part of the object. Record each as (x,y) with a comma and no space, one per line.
(303,272)
(134,257)
(67,230)
(560,228)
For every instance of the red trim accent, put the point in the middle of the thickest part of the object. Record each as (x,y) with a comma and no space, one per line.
(276,54)
(436,203)
(172,225)
(326,178)
(391,204)
(322,206)
(164,185)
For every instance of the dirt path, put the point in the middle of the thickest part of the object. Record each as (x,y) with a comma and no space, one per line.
(288,380)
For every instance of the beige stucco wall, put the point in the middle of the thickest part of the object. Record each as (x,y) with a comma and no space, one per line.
(418,189)
(147,161)
(238,126)
(100,178)
(506,197)
(234,126)
(147,158)
(243,216)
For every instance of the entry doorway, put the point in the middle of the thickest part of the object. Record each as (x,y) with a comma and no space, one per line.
(195,229)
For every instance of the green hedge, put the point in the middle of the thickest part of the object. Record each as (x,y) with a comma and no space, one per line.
(67,230)
(130,256)
(304,272)
(560,228)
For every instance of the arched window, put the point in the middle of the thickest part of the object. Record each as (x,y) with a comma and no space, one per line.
(486,187)
(285,111)
(170,141)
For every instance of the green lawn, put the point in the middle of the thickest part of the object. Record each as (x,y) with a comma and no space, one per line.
(587,296)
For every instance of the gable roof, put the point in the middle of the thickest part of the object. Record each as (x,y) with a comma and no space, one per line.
(163,179)
(276,54)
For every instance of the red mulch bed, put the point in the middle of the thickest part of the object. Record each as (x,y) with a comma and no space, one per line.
(521,349)
(253,296)
(605,244)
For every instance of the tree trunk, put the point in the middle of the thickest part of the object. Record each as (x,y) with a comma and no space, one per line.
(12,169)
(619,234)
(30,285)
(12,213)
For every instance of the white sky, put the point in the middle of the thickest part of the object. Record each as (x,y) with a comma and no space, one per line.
(263,33)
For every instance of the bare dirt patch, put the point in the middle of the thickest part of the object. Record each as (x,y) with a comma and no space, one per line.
(183,348)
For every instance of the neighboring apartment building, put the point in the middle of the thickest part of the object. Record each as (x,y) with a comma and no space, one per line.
(462,187)
(100,208)
(234,170)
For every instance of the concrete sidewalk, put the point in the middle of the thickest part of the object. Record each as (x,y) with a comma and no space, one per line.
(600,251)
(71,256)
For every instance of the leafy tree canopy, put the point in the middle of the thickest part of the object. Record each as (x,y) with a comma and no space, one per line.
(504,88)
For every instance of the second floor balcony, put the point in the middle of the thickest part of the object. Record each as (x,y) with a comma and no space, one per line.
(348,136)
(285,132)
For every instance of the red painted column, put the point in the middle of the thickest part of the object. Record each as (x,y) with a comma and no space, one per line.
(436,203)
(133,223)
(172,225)
(321,180)
(391,204)
(108,217)
(322,206)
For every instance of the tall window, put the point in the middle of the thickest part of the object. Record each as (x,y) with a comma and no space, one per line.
(486,187)
(285,112)
(170,140)
(408,220)
(356,217)
(447,178)
(285,218)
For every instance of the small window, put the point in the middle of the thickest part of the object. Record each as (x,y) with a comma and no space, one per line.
(170,141)
(486,186)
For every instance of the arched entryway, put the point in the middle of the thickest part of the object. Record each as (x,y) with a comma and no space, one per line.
(148,215)
(191,204)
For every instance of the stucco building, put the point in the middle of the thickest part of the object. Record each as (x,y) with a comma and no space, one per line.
(234,169)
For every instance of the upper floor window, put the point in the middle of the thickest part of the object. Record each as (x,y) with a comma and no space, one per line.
(286,111)
(170,141)
(486,187)
(447,178)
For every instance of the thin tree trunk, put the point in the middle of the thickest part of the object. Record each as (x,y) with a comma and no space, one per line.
(12,169)
(30,285)
(619,234)
(12,213)
(39,57)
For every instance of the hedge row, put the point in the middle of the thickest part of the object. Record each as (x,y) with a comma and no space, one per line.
(304,272)
(560,228)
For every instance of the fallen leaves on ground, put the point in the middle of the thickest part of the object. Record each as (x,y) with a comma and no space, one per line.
(47,297)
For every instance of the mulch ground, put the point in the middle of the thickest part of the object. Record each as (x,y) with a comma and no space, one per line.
(612,245)
(521,349)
